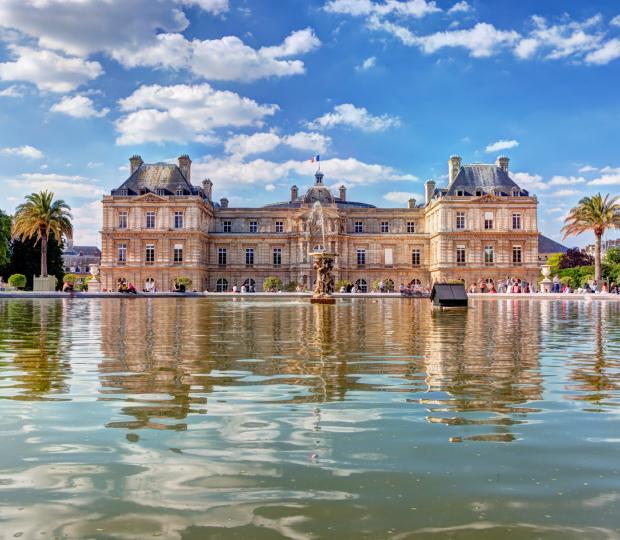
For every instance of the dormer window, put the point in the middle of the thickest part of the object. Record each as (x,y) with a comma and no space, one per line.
(161,192)
(460,193)
(144,191)
(478,193)
(515,193)
(123,192)
(180,192)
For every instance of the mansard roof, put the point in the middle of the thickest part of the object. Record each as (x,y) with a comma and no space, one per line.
(482,177)
(151,177)
(339,203)
(547,245)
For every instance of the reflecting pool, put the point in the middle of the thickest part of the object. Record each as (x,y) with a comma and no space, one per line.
(194,418)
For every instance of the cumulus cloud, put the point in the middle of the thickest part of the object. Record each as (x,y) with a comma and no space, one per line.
(405,8)
(610,177)
(232,172)
(402,196)
(349,115)
(213,6)
(460,7)
(63,186)
(529,181)
(78,107)
(48,70)
(606,53)
(227,58)
(185,112)
(241,146)
(566,180)
(502,144)
(587,169)
(367,64)
(13,91)
(25,151)
(566,193)
(615,21)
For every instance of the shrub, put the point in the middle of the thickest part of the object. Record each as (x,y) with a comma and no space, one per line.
(18,281)
(612,257)
(70,278)
(291,286)
(272,284)
(187,282)
(342,283)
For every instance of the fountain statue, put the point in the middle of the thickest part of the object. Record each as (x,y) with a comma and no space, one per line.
(323,260)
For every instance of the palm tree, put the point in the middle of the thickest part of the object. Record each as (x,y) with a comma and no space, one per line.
(41,216)
(596,214)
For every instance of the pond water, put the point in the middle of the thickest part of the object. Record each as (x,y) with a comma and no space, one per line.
(191,418)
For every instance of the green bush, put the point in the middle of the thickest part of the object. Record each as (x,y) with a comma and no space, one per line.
(183,281)
(272,284)
(70,278)
(574,276)
(612,257)
(291,286)
(18,281)
(342,283)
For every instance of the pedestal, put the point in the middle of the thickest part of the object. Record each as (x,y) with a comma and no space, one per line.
(44,284)
(94,286)
(322,300)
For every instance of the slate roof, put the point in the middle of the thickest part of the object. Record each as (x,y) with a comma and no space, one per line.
(546,245)
(157,176)
(338,201)
(486,178)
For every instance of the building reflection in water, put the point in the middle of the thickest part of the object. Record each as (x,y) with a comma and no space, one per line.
(477,369)
(30,338)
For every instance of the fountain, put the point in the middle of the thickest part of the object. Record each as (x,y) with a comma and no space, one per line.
(323,260)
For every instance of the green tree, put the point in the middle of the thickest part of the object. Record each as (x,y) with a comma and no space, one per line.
(25,258)
(5,239)
(596,214)
(272,284)
(613,255)
(39,217)
(17,280)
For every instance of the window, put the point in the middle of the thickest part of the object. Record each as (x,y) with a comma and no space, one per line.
(161,192)
(516,255)
(122,220)
(178,253)
(279,226)
(221,285)
(122,253)
(253,226)
(388,257)
(250,285)
(221,256)
(178,220)
(415,257)
(277,256)
(410,226)
(478,193)
(227,225)
(516,221)
(180,192)
(460,193)
(150,254)
(123,192)
(460,255)
(358,227)
(460,220)
(488,220)
(361,285)
(150,220)
(249,257)
(488,255)
(385,226)
(361,257)
(515,193)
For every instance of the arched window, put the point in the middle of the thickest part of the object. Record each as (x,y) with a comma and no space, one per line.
(389,285)
(149,284)
(414,282)
(221,285)
(361,285)
(250,284)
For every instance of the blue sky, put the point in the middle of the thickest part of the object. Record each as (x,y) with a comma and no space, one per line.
(385,91)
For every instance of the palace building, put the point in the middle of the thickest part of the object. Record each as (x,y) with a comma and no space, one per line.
(158,226)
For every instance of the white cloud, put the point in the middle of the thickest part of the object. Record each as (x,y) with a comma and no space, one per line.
(87,221)
(241,146)
(94,164)
(226,59)
(270,187)
(13,91)
(566,180)
(355,117)
(63,186)
(25,151)
(615,21)
(502,144)
(411,8)
(556,210)
(213,6)
(566,193)
(605,54)
(610,177)
(460,7)
(528,181)
(587,169)
(367,64)
(47,70)
(185,112)
(81,27)
(78,107)
(402,196)
(231,172)
(312,142)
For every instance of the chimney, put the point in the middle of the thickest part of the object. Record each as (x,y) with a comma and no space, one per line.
(454,166)
(207,187)
(343,192)
(429,189)
(134,163)
(185,164)
(294,193)
(411,203)
(224,203)
(502,163)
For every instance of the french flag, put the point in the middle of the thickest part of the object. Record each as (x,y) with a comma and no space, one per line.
(315,159)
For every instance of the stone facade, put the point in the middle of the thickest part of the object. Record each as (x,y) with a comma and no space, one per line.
(157,226)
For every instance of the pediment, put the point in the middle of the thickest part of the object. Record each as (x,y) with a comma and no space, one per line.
(151,197)
(488,197)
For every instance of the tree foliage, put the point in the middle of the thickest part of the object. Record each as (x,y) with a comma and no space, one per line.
(272,284)
(25,258)
(574,258)
(613,255)
(5,239)
(17,280)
